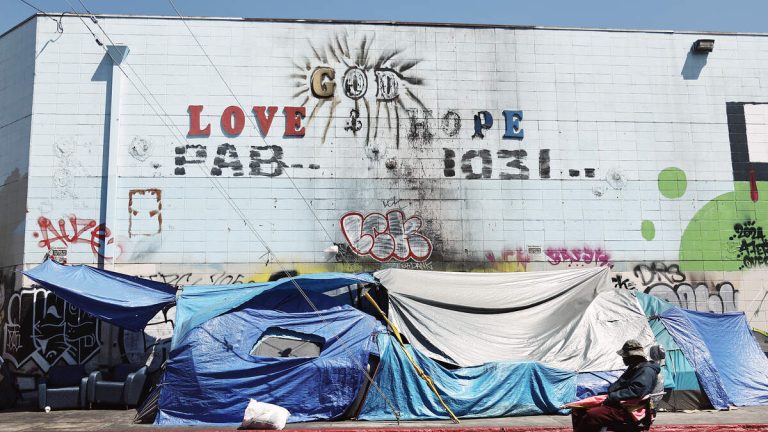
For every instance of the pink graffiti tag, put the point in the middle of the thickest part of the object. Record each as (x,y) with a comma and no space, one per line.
(576,255)
(86,231)
(386,237)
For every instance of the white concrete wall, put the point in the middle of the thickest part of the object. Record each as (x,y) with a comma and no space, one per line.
(625,105)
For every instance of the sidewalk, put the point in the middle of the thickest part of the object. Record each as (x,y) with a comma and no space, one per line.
(751,419)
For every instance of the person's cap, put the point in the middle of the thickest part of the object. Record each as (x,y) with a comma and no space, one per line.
(631,348)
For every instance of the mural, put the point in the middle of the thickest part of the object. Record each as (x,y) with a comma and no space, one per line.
(46,330)
(357,148)
(357,76)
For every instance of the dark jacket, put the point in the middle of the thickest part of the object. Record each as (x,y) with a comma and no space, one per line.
(634,383)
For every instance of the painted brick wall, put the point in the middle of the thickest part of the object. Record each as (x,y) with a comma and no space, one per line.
(17,57)
(633,154)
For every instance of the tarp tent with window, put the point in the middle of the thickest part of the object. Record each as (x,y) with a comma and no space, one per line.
(266,342)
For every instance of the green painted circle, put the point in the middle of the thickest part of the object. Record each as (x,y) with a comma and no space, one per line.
(707,243)
(672,182)
(648,229)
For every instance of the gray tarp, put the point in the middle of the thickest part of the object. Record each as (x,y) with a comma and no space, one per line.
(571,319)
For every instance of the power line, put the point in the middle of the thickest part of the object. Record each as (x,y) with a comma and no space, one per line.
(218,72)
(59,26)
(225,194)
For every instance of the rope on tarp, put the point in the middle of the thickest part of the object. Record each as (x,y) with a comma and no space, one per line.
(419,370)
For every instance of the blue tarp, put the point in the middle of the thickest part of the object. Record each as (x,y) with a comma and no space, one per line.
(198,304)
(678,372)
(594,383)
(211,375)
(496,389)
(652,305)
(125,301)
(731,367)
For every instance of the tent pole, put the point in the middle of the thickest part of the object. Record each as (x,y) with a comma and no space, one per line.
(419,371)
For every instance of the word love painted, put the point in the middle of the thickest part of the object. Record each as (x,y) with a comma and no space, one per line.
(71,231)
(386,237)
(232,120)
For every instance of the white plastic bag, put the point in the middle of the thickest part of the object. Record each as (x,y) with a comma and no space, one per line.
(260,415)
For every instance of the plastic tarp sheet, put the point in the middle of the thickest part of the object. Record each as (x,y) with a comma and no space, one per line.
(731,367)
(211,375)
(594,383)
(572,320)
(678,372)
(497,389)
(125,301)
(652,305)
(199,303)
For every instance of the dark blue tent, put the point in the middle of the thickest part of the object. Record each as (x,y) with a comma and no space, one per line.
(215,367)
(125,301)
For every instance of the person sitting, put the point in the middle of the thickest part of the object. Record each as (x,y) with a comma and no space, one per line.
(636,382)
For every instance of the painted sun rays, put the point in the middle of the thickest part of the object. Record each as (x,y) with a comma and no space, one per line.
(335,73)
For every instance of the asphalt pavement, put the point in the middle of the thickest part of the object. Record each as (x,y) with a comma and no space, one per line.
(749,419)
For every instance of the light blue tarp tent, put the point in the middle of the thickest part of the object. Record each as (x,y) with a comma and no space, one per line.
(497,389)
(125,301)
(678,372)
(212,374)
(731,367)
(197,304)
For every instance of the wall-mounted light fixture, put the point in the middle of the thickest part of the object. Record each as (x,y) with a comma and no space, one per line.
(703,46)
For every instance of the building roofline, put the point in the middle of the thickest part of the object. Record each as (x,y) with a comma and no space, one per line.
(26,20)
(396,23)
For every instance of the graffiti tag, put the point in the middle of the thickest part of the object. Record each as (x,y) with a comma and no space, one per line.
(79,231)
(46,329)
(386,237)
(753,249)
(585,255)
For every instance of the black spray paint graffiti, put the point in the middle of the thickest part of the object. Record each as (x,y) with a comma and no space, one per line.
(621,282)
(7,286)
(183,279)
(485,171)
(669,283)
(46,329)
(264,161)
(753,249)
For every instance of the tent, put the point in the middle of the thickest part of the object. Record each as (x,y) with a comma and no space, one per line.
(571,320)
(731,367)
(498,389)
(495,344)
(681,384)
(125,301)
(266,342)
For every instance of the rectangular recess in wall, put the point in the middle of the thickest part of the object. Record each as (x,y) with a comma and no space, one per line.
(748,134)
